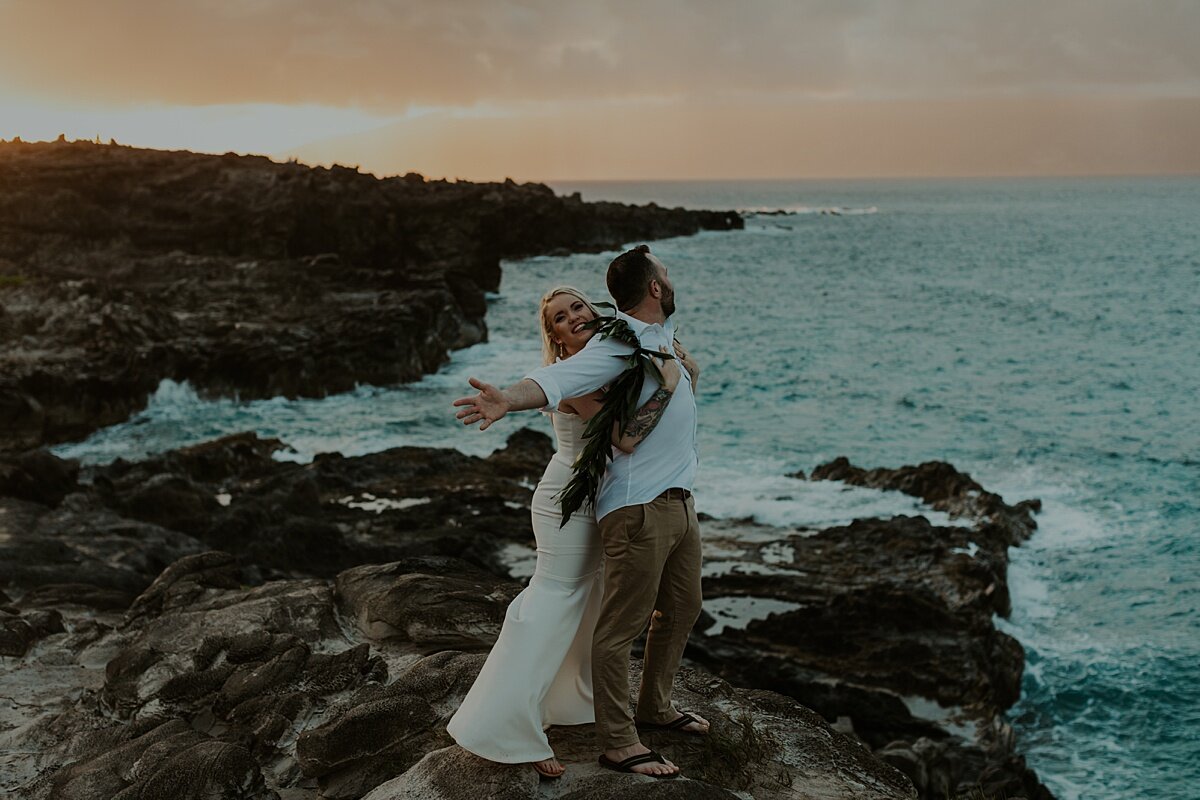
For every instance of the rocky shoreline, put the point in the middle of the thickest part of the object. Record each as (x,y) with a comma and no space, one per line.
(885,626)
(262,626)
(215,622)
(120,267)
(212,621)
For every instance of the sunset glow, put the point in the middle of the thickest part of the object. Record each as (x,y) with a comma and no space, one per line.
(544,90)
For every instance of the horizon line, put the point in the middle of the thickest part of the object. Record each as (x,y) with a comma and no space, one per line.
(280,159)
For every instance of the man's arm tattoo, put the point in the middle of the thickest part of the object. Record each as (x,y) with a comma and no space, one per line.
(646,417)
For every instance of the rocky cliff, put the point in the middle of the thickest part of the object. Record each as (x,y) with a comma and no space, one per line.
(120,267)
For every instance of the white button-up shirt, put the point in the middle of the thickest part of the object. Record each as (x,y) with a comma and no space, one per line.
(667,457)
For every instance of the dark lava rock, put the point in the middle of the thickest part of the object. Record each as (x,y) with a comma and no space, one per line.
(435,602)
(289,519)
(120,267)
(18,630)
(945,488)
(170,760)
(38,475)
(83,542)
(323,621)
(268,691)
(886,603)
(129,521)
(886,627)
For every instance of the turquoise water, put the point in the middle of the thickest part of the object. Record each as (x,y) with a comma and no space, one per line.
(1039,333)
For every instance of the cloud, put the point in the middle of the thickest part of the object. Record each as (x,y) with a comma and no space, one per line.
(386,56)
(621,88)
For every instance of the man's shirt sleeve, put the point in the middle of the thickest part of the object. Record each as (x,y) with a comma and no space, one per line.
(596,365)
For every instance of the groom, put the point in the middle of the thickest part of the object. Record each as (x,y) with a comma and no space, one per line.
(647,520)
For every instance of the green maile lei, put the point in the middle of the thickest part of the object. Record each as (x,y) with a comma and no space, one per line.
(618,407)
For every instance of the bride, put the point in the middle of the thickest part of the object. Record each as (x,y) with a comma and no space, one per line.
(539,672)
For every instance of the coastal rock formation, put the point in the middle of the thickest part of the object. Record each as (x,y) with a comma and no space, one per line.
(885,627)
(213,681)
(130,521)
(309,628)
(946,489)
(120,267)
(270,691)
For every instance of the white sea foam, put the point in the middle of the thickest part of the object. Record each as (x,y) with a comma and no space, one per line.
(778,553)
(364,420)
(713,548)
(738,612)
(718,569)
(1069,517)
(1042,616)
(760,490)
(370,502)
(954,719)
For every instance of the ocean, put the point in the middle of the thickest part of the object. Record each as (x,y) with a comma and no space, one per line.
(1040,334)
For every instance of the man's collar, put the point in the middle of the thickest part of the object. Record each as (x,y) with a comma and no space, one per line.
(638,326)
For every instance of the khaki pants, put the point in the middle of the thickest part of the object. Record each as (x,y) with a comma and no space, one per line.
(652,563)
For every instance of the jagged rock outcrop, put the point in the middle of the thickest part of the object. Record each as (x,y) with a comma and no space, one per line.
(885,627)
(120,267)
(131,520)
(946,489)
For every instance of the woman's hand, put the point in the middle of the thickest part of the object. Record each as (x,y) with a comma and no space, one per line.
(670,371)
(490,405)
(688,362)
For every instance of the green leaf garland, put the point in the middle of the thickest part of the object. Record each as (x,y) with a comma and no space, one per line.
(618,407)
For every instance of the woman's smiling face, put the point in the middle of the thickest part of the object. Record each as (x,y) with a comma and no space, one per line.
(566,314)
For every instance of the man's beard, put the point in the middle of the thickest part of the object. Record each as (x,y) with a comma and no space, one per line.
(668,304)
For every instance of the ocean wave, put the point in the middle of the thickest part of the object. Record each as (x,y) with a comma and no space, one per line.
(796,210)
(1095,685)
(762,491)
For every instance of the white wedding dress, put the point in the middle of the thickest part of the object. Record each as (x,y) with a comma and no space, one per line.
(539,672)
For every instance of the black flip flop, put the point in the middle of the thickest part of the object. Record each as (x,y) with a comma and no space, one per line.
(633,761)
(676,725)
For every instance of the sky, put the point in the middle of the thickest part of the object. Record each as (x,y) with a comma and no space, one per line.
(614,89)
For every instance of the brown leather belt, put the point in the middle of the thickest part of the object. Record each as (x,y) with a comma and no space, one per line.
(674,492)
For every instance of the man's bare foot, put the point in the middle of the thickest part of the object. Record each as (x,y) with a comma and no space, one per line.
(649,768)
(550,767)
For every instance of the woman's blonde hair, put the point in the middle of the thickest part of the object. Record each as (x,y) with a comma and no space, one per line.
(550,348)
